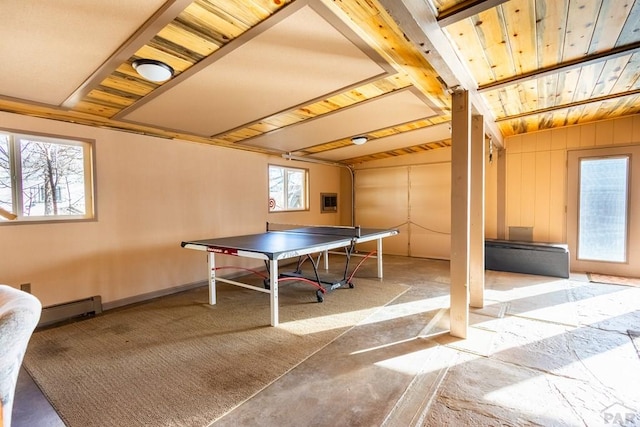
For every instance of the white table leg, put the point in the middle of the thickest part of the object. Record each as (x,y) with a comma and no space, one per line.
(212,278)
(326,260)
(379,257)
(273,282)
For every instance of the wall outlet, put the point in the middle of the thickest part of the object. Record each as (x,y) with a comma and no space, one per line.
(26,287)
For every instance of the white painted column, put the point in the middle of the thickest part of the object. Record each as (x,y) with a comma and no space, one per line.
(476,243)
(460,214)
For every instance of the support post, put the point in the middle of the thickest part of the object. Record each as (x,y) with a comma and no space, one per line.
(460,214)
(476,245)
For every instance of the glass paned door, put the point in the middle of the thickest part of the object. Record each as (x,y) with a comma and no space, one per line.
(603,209)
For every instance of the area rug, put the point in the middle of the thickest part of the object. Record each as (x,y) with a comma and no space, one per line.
(177,361)
(613,280)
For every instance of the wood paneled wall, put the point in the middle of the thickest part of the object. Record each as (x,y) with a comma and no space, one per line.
(536,172)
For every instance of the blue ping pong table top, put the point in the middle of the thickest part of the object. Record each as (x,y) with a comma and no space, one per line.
(272,244)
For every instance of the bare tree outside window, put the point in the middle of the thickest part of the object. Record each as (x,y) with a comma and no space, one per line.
(52,178)
(6,194)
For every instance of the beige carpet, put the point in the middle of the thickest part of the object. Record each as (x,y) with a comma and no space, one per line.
(176,361)
(613,280)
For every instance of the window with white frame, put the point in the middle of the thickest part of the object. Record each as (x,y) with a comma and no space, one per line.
(288,189)
(45,178)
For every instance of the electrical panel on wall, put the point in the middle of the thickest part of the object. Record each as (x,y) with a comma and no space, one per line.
(328,202)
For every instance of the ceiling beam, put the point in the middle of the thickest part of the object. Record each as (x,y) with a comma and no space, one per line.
(570,105)
(465,10)
(419,22)
(563,67)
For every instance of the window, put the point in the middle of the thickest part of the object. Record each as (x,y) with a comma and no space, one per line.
(288,189)
(44,178)
(602,219)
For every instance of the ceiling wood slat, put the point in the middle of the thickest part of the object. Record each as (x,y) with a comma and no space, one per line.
(611,19)
(633,96)
(564,66)
(581,21)
(520,15)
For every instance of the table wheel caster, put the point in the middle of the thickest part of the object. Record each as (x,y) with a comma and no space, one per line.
(319,295)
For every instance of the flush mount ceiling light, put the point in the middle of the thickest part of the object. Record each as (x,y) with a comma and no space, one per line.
(153,70)
(359,140)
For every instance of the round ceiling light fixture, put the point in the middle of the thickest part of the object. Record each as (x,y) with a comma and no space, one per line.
(153,70)
(359,140)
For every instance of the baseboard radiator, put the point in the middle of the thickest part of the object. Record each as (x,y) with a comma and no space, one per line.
(70,310)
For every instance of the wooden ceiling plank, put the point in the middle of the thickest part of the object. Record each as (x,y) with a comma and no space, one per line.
(581,21)
(491,28)
(137,88)
(468,45)
(551,21)
(89,107)
(611,20)
(586,102)
(519,16)
(609,76)
(529,91)
(623,106)
(465,9)
(494,103)
(547,91)
(586,83)
(564,66)
(181,34)
(567,86)
(573,115)
(218,24)
(511,101)
(629,77)
(629,33)
(110,99)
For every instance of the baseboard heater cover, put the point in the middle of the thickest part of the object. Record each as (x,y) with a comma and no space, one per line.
(545,259)
(70,310)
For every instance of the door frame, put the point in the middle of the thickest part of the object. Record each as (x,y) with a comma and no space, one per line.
(632,266)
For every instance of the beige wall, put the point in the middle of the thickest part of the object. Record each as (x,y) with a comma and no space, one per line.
(414,193)
(152,193)
(536,172)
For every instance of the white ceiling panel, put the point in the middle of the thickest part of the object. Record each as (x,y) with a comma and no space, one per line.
(68,40)
(394,142)
(275,67)
(396,108)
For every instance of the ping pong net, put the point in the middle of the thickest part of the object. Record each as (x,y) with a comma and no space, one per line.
(326,230)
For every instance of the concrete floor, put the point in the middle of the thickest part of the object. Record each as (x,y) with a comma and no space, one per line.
(542,351)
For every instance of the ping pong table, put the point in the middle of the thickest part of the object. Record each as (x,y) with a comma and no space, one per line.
(281,242)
